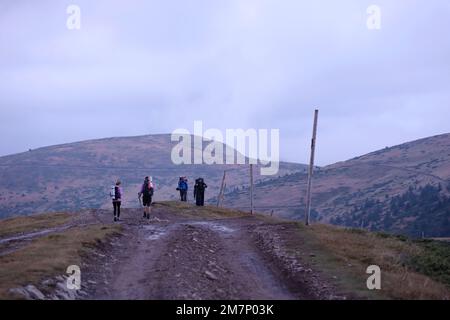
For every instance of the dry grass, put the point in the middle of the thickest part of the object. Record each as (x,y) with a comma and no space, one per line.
(49,256)
(32,223)
(349,252)
(206,212)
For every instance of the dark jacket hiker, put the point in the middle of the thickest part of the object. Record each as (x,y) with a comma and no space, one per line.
(116,196)
(146,192)
(199,191)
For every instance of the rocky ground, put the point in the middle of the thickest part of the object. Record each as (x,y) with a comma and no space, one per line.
(180,253)
(172,256)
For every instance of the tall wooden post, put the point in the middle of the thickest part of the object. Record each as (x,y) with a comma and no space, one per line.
(223,192)
(311,168)
(222,187)
(251,188)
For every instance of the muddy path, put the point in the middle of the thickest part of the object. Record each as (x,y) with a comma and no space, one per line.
(176,257)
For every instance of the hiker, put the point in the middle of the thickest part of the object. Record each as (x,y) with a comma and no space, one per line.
(183,188)
(116,196)
(199,191)
(146,193)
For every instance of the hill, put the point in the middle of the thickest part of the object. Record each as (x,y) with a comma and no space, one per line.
(187,252)
(401,189)
(78,175)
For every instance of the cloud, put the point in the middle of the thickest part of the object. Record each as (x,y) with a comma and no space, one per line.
(138,67)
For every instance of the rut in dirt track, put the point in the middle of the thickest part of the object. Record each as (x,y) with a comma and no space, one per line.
(174,257)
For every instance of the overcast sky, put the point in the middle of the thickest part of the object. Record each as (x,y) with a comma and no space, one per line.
(141,67)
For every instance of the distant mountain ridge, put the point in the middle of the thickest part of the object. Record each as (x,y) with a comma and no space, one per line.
(78,175)
(403,189)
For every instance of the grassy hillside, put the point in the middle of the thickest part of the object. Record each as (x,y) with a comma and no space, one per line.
(78,175)
(403,189)
(421,211)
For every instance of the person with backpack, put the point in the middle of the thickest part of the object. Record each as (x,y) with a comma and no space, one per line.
(116,196)
(183,188)
(147,194)
(199,192)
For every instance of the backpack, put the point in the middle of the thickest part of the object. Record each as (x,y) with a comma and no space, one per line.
(112,193)
(148,189)
(200,184)
(182,185)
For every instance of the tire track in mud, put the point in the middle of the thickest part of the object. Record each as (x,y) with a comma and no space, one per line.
(208,260)
(175,257)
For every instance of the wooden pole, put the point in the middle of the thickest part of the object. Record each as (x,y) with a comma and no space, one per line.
(223,193)
(311,168)
(251,188)
(222,187)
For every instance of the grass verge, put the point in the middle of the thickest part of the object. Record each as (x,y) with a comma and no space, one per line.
(49,256)
(409,270)
(206,212)
(36,222)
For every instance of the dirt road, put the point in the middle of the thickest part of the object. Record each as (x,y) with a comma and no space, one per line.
(172,256)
